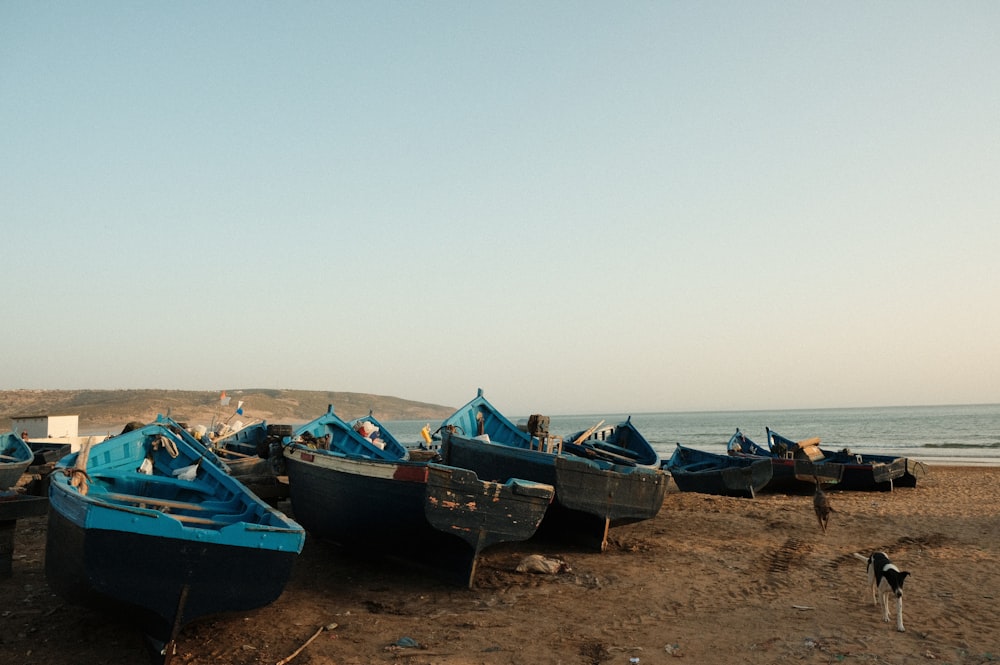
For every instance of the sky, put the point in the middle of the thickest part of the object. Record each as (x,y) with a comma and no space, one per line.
(579,207)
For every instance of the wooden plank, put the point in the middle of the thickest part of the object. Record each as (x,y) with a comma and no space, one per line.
(153,501)
(583,436)
(234,453)
(192,519)
(609,456)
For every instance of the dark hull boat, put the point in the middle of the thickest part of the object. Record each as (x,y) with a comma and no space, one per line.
(592,495)
(15,458)
(866,471)
(710,473)
(862,473)
(790,473)
(145,526)
(359,488)
(253,455)
(615,443)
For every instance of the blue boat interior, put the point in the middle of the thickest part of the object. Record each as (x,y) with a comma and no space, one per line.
(244,441)
(14,449)
(479,417)
(330,433)
(204,496)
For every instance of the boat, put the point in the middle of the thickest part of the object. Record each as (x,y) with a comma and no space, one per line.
(791,472)
(15,458)
(864,473)
(356,485)
(253,454)
(617,443)
(146,526)
(592,494)
(701,471)
(912,469)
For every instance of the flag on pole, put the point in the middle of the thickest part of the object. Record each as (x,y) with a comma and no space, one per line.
(224,399)
(239,407)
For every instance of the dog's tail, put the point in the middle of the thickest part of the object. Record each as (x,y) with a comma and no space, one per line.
(859,556)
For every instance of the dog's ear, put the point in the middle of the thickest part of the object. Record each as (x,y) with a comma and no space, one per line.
(902,576)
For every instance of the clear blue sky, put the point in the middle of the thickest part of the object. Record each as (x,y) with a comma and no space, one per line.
(580,207)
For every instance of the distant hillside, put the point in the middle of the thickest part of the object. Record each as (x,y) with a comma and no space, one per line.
(109,410)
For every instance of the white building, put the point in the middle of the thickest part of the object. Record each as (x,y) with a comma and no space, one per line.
(47,427)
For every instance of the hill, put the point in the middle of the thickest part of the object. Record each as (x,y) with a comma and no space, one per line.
(108,410)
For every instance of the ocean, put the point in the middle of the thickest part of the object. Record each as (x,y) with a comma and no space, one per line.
(967,434)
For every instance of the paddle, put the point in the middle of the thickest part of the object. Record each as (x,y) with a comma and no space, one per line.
(584,435)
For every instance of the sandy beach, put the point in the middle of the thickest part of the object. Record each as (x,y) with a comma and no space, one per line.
(709,580)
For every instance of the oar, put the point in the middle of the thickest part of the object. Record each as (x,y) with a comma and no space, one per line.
(610,456)
(590,431)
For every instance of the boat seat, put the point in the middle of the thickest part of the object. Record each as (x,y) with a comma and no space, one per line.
(130,479)
(165,505)
(153,501)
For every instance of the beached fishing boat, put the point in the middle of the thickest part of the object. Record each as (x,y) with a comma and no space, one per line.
(791,473)
(253,455)
(148,527)
(15,458)
(355,485)
(866,473)
(912,469)
(616,443)
(701,471)
(592,495)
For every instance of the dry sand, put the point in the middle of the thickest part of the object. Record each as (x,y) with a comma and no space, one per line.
(709,580)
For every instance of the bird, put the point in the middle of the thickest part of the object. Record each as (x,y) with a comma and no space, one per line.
(821,504)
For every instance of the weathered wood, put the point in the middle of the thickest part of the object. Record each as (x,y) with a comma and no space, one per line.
(288,659)
(232,453)
(193,519)
(610,456)
(153,501)
(583,437)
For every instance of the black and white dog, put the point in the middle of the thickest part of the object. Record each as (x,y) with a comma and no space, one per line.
(886,580)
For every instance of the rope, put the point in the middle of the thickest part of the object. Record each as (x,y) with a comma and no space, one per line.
(79,479)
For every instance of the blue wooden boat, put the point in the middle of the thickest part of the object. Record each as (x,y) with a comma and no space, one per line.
(701,471)
(253,455)
(912,469)
(146,526)
(365,493)
(592,495)
(864,473)
(790,473)
(15,458)
(621,443)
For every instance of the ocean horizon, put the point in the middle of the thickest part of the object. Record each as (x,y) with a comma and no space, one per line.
(952,434)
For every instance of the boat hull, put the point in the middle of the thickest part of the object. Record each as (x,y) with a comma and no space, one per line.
(441,518)
(724,475)
(590,496)
(159,584)
(870,476)
(15,460)
(147,526)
